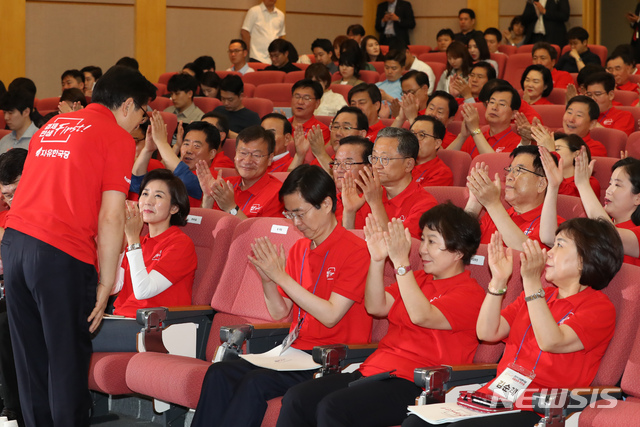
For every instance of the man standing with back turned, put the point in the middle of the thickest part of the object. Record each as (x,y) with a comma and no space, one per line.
(72,190)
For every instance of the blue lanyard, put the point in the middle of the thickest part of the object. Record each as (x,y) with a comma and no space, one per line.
(525,335)
(245,203)
(304,256)
(528,230)
(603,117)
(495,143)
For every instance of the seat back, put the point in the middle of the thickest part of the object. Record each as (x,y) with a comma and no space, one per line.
(481,113)
(438,68)
(278,93)
(342,90)
(633,145)
(211,232)
(301,65)
(614,140)
(293,76)
(458,162)
(378,65)
(417,50)
(558,96)
(625,97)
(602,172)
(326,120)
(507,49)
(280,176)
(570,207)
(369,76)
(516,64)
(206,104)
(479,268)
(164,77)
(161,89)
(261,106)
(171,120)
(635,112)
(502,62)
(239,294)
(258,66)
(229,148)
(444,193)
(48,103)
(223,74)
(624,293)
(249,90)
(440,57)
(551,114)
(160,103)
(262,77)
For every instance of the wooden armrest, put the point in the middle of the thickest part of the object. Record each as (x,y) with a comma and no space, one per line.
(190,308)
(272,325)
(473,367)
(370,346)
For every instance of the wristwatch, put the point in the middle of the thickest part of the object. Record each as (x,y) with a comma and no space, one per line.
(234,211)
(476,131)
(133,247)
(402,270)
(539,294)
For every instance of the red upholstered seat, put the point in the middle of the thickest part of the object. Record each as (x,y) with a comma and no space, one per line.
(614,140)
(206,104)
(164,77)
(262,77)
(516,64)
(602,172)
(106,372)
(48,103)
(458,162)
(633,145)
(444,193)
(278,93)
(160,103)
(551,115)
(293,76)
(417,50)
(261,106)
(440,57)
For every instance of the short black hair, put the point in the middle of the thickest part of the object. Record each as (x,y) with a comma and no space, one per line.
(74,95)
(177,192)
(278,45)
(222,125)
(599,247)
(232,83)
(605,79)
(626,58)
(204,62)
(532,150)
(313,183)
(594,110)
(588,70)
(483,96)
(287,129)
(96,72)
(241,42)
(578,33)
(515,96)
(76,74)
(632,168)
(356,30)
(127,61)
(255,133)
(408,145)
(324,44)
(183,82)
(371,89)
(120,83)
(360,141)
(192,67)
(320,72)
(361,118)
(460,231)
(398,56)
(514,21)
(493,31)
(546,78)
(445,32)
(308,83)
(420,77)
(210,79)
(17,99)
(488,68)
(468,11)
(211,133)
(23,83)
(574,143)
(453,104)
(553,53)
(11,165)
(439,129)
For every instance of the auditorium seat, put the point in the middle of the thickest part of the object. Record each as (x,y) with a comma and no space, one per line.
(507,49)
(257,66)
(263,77)
(481,112)
(160,103)
(164,77)
(342,90)
(458,162)
(444,193)
(278,93)
(516,64)
(261,106)
(223,74)
(417,50)
(293,76)
(635,111)
(633,145)
(378,65)
(48,103)
(440,57)
(502,62)
(614,140)
(551,115)
(570,207)
(438,68)
(206,104)
(171,120)
(249,90)
(558,96)
(602,172)
(370,77)
(161,89)
(625,97)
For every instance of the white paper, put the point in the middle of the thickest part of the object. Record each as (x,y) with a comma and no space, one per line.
(194,219)
(440,413)
(279,229)
(291,360)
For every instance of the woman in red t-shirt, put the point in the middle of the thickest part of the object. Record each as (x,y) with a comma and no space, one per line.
(427,325)
(537,84)
(555,337)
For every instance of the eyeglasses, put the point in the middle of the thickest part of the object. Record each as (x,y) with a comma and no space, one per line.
(595,94)
(305,98)
(346,128)
(384,161)
(145,117)
(410,91)
(517,170)
(255,155)
(295,215)
(235,50)
(423,135)
(345,165)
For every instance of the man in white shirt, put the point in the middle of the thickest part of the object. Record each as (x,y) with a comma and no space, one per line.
(262,25)
(413,63)
(238,54)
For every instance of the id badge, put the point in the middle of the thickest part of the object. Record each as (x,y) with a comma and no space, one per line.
(290,338)
(512,382)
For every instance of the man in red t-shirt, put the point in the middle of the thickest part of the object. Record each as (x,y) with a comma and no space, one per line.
(600,88)
(254,192)
(306,95)
(543,53)
(388,187)
(352,155)
(621,66)
(430,169)
(72,193)
(282,131)
(579,118)
(443,106)
(499,138)
(221,160)
(368,99)
(525,187)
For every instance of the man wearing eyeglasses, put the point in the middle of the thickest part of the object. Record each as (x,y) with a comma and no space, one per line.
(305,99)
(238,55)
(430,169)
(352,156)
(388,187)
(525,187)
(504,100)
(254,192)
(600,88)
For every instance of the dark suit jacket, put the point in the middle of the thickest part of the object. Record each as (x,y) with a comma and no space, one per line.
(554,21)
(407,21)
